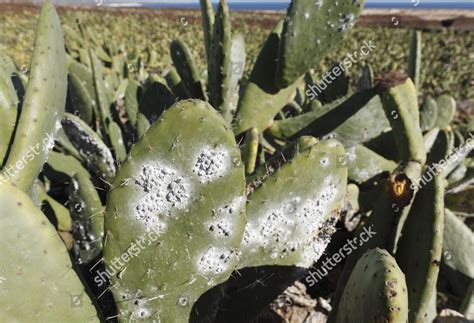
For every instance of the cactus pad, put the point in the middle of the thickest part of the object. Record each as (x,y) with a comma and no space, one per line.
(181,184)
(376,291)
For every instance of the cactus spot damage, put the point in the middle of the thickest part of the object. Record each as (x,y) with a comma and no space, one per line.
(88,145)
(165,189)
(211,163)
(292,226)
(215,260)
(223,219)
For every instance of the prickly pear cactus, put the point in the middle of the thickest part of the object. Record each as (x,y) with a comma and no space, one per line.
(92,149)
(414,60)
(375,292)
(88,219)
(8,108)
(290,219)
(181,194)
(207,23)
(44,101)
(261,99)
(283,230)
(312,27)
(36,261)
(421,265)
(220,70)
(151,192)
(398,95)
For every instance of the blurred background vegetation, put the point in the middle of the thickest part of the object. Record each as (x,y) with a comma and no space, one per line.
(447,65)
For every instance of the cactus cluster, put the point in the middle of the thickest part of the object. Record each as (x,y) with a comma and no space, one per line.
(201,196)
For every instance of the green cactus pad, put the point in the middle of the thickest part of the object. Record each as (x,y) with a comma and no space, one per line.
(8,115)
(288,152)
(458,245)
(207,23)
(44,101)
(261,100)
(131,101)
(414,60)
(220,65)
(7,66)
(83,73)
(283,229)
(446,110)
(423,229)
(428,114)
(142,124)
(88,219)
(376,291)
(351,121)
(290,218)
(392,202)
(187,70)
(176,84)
(64,145)
(429,138)
(288,128)
(94,152)
(71,34)
(60,167)
(84,57)
(183,184)
(313,27)
(237,67)
(116,140)
(82,104)
(102,93)
(400,103)
(250,150)
(38,282)
(41,199)
(364,163)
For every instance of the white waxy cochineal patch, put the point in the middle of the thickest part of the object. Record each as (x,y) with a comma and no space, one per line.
(232,208)
(215,260)
(292,227)
(211,163)
(164,189)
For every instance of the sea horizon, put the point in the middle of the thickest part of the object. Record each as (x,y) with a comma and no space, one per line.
(246,6)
